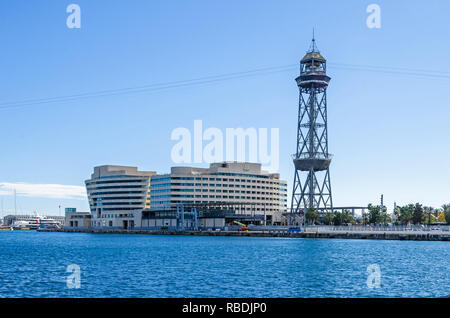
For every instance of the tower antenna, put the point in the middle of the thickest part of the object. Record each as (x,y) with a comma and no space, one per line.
(313,47)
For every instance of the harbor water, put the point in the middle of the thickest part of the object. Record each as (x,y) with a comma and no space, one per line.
(34,264)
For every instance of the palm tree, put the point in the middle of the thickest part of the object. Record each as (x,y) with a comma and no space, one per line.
(312,215)
(347,217)
(428,211)
(328,218)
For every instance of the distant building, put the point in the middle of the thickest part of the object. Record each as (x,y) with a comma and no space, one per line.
(117,194)
(77,220)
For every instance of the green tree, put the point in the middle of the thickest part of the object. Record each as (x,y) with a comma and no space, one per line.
(312,216)
(405,213)
(418,215)
(444,213)
(337,218)
(343,217)
(385,217)
(378,214)
(447,216)
(374,213)
(328,218)
(436,213)
(347,217)
(365,218)
(429,213)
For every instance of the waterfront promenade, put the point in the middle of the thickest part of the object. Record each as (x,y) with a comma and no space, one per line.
(441,233)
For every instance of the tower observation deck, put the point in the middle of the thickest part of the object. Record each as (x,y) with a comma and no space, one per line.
(312,186)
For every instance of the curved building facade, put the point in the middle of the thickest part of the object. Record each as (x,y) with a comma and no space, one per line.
(117,195)
(252,190)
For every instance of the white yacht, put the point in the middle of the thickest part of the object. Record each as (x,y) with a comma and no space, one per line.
(36,222)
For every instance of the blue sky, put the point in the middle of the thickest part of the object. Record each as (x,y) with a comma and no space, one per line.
(388,131)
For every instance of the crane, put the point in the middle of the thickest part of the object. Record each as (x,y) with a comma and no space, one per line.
(243,226)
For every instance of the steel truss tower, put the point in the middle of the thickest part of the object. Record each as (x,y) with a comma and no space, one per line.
(312,186)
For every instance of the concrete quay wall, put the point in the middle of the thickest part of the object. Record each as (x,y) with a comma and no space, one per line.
(406,236)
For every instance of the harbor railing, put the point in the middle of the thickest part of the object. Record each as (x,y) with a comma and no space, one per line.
(377,228)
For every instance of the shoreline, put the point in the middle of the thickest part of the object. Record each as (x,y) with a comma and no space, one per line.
(325,235)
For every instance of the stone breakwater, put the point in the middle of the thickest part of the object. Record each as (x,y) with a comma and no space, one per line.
(409,236)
